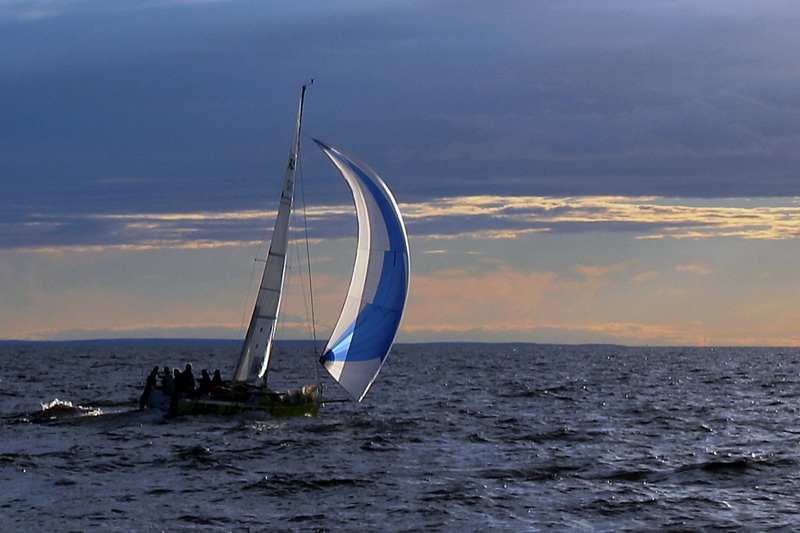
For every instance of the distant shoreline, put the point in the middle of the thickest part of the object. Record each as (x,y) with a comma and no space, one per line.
(126,342)
(167,342)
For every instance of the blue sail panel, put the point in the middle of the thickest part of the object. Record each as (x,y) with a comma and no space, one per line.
(376,299)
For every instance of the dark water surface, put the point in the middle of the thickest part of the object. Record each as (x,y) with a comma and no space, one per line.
(451,438)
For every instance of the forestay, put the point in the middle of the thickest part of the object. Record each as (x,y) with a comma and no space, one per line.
(378,291)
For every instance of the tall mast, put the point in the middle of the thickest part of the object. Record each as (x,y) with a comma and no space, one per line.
(257,348)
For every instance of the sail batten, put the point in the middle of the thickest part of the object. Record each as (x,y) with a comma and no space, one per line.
(373,308)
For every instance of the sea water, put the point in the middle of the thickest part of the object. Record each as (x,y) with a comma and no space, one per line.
(453,437)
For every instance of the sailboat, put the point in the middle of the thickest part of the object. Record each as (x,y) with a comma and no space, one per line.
(368,322)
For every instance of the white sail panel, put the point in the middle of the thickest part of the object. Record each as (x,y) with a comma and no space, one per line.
(257,348)
(378,291)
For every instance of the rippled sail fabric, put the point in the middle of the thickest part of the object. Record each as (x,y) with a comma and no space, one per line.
(257,349)
(378,291)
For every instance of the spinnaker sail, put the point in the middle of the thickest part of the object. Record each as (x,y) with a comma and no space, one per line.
(372,311)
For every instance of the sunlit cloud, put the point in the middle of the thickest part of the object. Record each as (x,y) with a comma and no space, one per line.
(594,271)
(497,298)
(139,247)
(125,291)
(646,276)
(700,270)
(475,217)
(647,217)
(605,304)
(581,200)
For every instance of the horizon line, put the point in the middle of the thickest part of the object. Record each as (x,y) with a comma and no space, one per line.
(206,341)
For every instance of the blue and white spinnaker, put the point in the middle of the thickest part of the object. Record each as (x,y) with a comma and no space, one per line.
(378,291)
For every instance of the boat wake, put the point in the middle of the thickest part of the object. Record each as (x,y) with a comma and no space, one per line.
(62,410)
(56,411)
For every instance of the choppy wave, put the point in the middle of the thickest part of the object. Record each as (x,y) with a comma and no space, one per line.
(452,437)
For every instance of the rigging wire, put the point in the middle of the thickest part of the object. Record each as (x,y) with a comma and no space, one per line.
(313,322)
(308,259)
(247,307)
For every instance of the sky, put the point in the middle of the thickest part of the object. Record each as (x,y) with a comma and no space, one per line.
(580,171)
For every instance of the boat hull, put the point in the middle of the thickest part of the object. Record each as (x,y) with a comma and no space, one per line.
(241,399)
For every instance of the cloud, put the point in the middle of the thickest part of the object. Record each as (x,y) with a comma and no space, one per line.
(645,217)
(503,305)
(527,99)
(646,276)
(700,270)
(155,127)
(594,271)
(495,298)
(479,218)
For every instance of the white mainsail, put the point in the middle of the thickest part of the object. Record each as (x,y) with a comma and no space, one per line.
(254,359)
(378,291)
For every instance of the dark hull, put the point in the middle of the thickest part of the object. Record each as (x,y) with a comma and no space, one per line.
(240,399)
